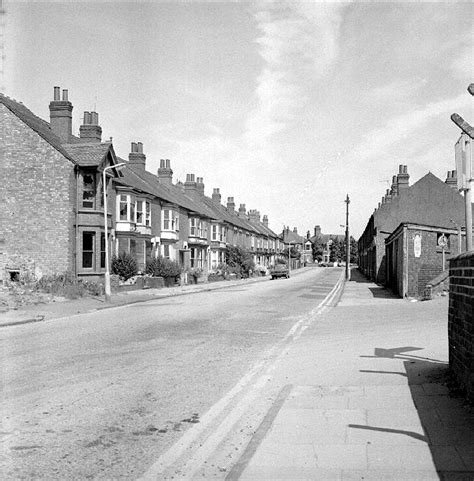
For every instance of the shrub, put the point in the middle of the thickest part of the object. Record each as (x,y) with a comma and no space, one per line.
(161,267)
(124,265)
(239,260)
(66,285)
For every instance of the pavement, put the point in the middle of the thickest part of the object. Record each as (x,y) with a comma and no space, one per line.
(365,395)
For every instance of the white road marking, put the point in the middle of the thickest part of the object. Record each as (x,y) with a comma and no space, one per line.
(210,441)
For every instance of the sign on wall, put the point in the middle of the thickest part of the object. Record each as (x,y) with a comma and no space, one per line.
(417,245)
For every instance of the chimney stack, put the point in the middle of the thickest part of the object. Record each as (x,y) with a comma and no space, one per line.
(242,210)
(90,130)
(394,187)
(190,184)
(452,180)
(60,114)
(295,230)
(265,220)
(317,231)
(200,185)
(402,178)
(165,174)
(216,196)
(230,204)
(136,157)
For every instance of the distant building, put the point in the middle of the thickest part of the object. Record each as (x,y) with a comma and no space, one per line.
(323,243)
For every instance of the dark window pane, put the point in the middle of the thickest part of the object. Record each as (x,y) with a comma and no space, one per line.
(87,259)
(88,241)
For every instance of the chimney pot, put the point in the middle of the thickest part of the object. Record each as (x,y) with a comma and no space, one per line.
(140,147)
(60,113)
(137,159)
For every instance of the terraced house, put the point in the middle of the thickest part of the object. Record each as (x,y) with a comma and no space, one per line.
(53,215)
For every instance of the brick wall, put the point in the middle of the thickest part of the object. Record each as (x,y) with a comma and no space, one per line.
(461,321)
(37,195)
(423,269)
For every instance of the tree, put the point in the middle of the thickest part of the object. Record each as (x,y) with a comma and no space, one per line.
(318,249)
(239,260)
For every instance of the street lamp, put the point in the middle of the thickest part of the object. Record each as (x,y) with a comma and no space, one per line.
(348,247)
(104,187)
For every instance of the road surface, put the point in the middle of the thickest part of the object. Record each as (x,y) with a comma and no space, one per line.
(112,394)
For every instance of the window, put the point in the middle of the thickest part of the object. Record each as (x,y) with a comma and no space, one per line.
(147,214)
(215,232)
(132,209)
(166,219)
(139,211)
(196,257)
(193,227)
(102,251)
(166,251)
(88,250)
(88,190)
(123,203)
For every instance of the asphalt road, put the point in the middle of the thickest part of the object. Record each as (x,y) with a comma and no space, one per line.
(105,394)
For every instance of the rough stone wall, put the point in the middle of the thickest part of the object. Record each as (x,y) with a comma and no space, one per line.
(37,197)
(461,321)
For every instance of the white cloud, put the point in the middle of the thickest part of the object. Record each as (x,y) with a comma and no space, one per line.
(379,141)
(298,43)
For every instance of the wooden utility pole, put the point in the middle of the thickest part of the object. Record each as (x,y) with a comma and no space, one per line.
(465,174)
(348,245)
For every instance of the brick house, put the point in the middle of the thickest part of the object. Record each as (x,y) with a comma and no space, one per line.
(324,241)
(428,206)
(53,220)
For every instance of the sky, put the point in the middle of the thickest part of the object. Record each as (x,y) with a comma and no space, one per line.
(286,106)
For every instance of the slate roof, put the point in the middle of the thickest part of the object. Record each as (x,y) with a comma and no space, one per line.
(429,201)
(291,237)
(88,154)
(147,182)
(324,238)
(40,126)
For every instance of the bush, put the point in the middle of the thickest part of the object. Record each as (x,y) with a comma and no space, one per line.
(66,285)
(124,265)
(161,267)
(239,260)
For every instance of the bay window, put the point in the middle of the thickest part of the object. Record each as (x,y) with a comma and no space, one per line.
(170,220)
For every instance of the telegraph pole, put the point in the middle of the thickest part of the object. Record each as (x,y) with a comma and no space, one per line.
(348,247)
(464,168)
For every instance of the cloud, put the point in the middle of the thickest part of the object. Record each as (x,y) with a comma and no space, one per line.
(298,43)
(379,141)
(462,63)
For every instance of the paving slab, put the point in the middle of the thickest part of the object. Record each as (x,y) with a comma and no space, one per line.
(369,398)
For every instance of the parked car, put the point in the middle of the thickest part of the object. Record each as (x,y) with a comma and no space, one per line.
(280,270)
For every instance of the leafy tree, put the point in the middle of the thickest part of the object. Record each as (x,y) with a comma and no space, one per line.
(239,260)
(318,249)
(354,251)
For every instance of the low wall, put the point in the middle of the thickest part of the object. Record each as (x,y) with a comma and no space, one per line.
(461,321)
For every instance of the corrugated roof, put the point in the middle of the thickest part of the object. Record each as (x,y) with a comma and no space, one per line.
(40,126)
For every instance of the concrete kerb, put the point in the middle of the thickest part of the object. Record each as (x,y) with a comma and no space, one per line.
(145,297)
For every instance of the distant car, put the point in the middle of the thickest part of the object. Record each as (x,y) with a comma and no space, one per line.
(280,270)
